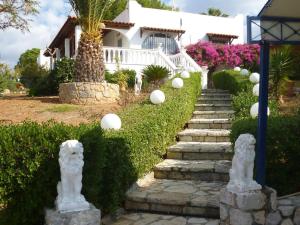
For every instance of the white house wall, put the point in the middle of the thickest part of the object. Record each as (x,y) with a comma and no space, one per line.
(195,25)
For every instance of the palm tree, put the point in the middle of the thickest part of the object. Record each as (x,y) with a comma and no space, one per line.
(89,66)
(280,67)
(215,12)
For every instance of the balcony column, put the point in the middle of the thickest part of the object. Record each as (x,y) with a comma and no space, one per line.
(67,48)
(78,32)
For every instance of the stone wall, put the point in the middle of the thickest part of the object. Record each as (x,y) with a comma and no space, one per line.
(88,93)
(258,208)
(287,213)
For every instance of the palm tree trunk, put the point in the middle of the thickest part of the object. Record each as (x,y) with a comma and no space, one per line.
(89,65)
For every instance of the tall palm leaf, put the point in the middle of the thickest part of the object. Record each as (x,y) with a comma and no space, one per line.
(280,67)
(89,66)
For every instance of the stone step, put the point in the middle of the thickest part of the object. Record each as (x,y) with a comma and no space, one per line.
(215,96)
(213,107)
(209,124)
(213,114)
(201,151)
(204,135)
(214,101)
(160,219)
(177,197)
(202,170)
(214,91)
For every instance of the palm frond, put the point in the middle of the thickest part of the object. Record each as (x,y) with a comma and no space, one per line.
(90,13)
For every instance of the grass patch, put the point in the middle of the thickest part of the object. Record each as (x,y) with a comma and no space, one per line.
(63,108)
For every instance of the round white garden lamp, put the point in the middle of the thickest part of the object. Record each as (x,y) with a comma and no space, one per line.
(185,74)
(237,69)
(254,110)
(111,122)
(255,90)
(177,83)
(244,72)
(157,97)
(254,78)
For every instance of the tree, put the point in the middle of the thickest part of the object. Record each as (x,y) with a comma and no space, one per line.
(16,13)
(119,5)
(89,65)
(28,57)
(280,67)
(214,12)
(28,68)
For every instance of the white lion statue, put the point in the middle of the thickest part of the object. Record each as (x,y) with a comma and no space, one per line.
(241,173)
(69,197)
(138,83)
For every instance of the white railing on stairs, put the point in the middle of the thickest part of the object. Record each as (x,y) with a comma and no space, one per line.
(184,61)
(136,58)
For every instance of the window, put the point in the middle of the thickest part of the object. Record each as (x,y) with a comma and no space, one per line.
(168,43)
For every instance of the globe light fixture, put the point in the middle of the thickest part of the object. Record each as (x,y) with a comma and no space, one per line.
(244,72)
(237,69)
(177,83)
(255,90)
(111,122)
(157,97)
(254,78)
(254,110)
(185,74)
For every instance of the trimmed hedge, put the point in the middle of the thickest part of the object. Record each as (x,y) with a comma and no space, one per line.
(230,80)
(283,150)
(241,89)
(29,168)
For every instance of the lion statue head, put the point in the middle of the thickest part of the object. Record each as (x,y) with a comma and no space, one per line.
(244,147)
(71,155)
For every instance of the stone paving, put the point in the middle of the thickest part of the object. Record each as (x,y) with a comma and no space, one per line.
(156,219)
(185,188)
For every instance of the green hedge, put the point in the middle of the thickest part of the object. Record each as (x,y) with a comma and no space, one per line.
(230,80)
(241,89)
(29,168)
(283,150)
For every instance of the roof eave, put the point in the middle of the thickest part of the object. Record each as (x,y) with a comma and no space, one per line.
(269,2)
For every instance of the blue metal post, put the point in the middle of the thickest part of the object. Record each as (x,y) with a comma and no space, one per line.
(249,30)
(262,113)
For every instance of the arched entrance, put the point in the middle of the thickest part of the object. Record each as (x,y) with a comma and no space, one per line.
(114,38)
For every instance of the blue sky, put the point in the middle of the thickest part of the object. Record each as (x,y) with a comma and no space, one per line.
(53,14)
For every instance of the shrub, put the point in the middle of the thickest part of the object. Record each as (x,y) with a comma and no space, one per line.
(47,82)
(214,55)
(230,80)
(283,151)
(155,74)
(121,76)
(243,101)
(241,88)
(29,169)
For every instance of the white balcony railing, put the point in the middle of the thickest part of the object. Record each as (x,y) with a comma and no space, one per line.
(136,58)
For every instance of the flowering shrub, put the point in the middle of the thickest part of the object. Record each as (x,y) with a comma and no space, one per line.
(213,55)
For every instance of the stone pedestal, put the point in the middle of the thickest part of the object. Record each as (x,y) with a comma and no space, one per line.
(87,217)
(249,208)
(82,93)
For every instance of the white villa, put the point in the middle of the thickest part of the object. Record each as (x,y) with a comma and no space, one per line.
(142,36)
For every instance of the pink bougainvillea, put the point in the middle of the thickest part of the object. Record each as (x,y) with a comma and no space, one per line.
(214,55)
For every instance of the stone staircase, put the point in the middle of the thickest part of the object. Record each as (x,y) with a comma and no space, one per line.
(184,188)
